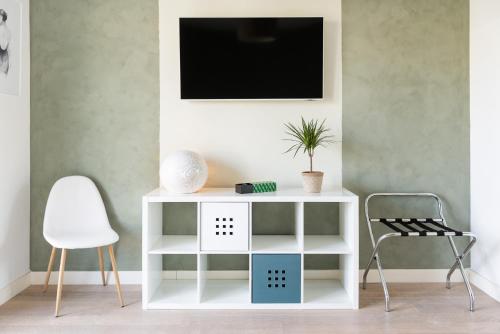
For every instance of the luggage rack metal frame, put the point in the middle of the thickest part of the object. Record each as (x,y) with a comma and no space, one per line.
(423,231)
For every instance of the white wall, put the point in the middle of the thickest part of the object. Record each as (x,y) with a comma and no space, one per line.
(242,141)
(485,142)
(15,175)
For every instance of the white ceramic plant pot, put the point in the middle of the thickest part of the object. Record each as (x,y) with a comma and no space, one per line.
(312,181)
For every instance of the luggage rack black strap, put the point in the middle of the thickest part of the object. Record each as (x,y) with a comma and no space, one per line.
(421,233)
(430,229)
(408,226)
(392,226)
(448,229)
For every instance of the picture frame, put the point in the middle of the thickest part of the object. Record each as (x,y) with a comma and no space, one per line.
(10,47)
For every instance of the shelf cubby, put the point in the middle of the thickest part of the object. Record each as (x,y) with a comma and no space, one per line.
(231,288)
(168,237)
(327,287)
(174,293)
(277,228)
(324,230)
(165,289)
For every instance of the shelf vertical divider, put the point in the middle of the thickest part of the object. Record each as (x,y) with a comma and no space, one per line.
(354,220)
(299,235)
(349,263)
(152,216)
(250,246)
(200,259)
(299,225)
(202,275)
(198,227)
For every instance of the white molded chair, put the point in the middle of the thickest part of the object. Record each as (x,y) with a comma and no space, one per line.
(75,217)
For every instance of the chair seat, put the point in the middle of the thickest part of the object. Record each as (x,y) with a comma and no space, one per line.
(89,239)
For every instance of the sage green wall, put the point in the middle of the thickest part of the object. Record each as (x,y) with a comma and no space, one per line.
(95,112)
(405,112)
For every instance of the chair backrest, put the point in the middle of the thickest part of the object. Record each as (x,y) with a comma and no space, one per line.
(75,206)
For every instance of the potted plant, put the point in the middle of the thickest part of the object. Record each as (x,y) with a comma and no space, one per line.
(307,137)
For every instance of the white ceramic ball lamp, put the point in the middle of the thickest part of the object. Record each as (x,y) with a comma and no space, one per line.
(183,172)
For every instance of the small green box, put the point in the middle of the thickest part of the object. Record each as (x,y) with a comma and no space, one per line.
(264,187)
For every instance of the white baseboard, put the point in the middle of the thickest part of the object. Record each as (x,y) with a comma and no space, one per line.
(13,288)
(411,276)
(490,288)
(86,277)
(135,277)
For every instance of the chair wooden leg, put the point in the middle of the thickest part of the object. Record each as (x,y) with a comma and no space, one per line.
(115,271)
(49,268)
(60,281)
(101,265)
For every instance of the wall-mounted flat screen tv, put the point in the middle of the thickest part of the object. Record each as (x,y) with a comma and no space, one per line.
(251,58)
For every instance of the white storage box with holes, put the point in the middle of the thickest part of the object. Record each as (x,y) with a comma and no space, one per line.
(224,226)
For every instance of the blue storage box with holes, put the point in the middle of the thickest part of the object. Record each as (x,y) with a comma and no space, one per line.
(276,278)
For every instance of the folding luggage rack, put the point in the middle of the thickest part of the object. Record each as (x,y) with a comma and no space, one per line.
(417,227)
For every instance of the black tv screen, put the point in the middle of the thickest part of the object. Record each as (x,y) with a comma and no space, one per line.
(251,58)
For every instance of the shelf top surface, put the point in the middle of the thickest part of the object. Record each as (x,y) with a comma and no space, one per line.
(229,195)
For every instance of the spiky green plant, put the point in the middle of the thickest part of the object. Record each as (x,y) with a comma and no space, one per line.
(308,136)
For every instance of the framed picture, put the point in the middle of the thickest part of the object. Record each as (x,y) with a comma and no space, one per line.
(10,46)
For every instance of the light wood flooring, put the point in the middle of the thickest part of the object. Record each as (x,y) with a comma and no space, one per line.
(418,308)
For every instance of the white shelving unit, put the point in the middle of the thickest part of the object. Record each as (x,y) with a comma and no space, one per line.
(205,289)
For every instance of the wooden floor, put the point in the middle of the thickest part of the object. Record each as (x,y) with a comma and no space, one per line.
(418,308)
